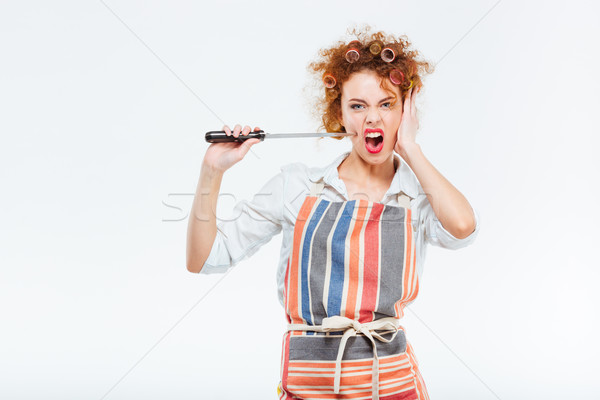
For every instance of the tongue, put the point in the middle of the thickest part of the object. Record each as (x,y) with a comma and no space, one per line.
(374,143)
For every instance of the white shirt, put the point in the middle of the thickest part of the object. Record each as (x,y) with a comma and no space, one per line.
(275,207)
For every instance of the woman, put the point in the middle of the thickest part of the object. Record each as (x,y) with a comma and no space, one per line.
(354,232)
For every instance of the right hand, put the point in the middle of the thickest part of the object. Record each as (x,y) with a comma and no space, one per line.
(222,156)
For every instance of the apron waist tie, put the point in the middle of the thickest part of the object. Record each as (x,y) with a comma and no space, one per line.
(352,327)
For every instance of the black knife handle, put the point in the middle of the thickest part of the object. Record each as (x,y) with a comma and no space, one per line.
(222,137)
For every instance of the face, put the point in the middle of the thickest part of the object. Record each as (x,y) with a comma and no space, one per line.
(370,109)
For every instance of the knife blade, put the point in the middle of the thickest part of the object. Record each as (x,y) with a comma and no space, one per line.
(222,137)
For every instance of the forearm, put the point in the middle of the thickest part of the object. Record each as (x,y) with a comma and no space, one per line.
(450,206)
(202,223)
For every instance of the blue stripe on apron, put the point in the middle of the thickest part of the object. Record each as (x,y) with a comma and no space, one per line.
(305,253)
(338,252)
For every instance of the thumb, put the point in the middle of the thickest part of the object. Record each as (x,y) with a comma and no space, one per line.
(245,147)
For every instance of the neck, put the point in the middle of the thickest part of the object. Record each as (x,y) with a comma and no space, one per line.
(370,174)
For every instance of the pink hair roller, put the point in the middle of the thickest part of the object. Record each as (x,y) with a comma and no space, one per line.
(353,52)
(388,55)
(329,81)
(396,76)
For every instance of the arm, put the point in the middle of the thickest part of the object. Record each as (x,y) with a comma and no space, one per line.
(449,205)
(251,225)
(202,224)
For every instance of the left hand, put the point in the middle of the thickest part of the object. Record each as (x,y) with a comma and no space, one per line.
(409,124)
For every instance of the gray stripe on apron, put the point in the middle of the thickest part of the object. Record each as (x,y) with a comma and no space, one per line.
(392,260)
(325,348)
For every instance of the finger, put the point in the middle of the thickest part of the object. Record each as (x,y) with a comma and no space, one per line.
(256,129)
(246,130)
(413,97)
(236,130)
(227,130)
(407,102)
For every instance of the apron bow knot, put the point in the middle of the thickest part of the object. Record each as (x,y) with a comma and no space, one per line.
(352,327)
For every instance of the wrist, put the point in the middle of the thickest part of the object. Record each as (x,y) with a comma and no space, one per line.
(208,171)
(409,150)
(209,180)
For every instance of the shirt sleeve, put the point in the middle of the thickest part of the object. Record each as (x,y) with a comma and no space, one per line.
(251,225)
(437,235)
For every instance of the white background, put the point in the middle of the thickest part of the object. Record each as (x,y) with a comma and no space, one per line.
(104,107)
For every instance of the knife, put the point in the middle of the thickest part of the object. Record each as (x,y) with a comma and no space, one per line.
(222,137)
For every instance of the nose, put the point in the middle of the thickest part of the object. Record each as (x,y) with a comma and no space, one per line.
(373,116)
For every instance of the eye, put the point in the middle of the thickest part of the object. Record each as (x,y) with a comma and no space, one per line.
(387,104)
(353,106)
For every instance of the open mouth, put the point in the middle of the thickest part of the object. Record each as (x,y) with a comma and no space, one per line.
(374,140)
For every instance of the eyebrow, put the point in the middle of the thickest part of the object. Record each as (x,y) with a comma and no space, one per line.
(382,100)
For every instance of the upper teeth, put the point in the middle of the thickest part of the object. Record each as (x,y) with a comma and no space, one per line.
(373,134)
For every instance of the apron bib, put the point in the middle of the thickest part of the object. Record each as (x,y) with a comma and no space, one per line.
(350,273)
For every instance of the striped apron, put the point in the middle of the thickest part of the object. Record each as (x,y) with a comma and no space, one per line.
(350,273)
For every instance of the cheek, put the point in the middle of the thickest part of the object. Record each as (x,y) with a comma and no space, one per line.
(391,138)
(354,121)
(395,122)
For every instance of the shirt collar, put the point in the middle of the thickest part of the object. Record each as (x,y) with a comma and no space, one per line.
(404,179)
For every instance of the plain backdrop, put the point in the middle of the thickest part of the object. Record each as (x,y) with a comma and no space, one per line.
(103,110)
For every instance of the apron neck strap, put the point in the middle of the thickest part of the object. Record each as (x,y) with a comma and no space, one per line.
(403,200)
(317,188)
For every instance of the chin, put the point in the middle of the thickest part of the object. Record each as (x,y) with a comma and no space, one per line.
(375,158)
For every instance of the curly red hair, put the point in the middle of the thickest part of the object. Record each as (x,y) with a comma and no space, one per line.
(333,62)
